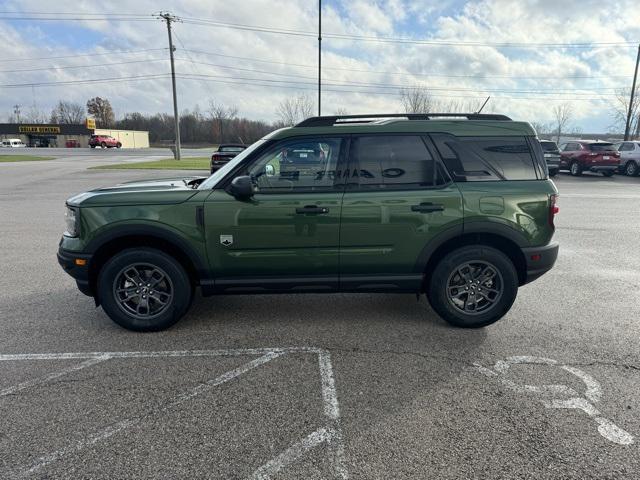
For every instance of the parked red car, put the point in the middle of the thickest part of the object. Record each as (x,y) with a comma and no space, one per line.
(589,156)
(104,141)
(224,153)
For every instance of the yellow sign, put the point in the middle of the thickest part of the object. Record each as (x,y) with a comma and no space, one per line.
(91,124)
(38,129)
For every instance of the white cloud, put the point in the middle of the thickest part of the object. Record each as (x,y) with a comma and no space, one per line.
(482,21)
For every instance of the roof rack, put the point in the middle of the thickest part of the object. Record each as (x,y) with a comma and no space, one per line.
(328,121)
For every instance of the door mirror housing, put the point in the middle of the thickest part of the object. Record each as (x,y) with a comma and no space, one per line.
(242,187)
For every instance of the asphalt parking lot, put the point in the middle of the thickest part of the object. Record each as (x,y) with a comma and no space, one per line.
(364,386)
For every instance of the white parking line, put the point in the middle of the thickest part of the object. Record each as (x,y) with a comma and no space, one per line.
(593,392)
(331,434)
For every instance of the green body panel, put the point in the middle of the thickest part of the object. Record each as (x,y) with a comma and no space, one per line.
(373,233)
(520,205)
(270,238)
(380,234)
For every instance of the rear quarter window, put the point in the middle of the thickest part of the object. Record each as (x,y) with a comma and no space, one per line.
(487,158)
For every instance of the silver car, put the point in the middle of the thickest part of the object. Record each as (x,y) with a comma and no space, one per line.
(629,158)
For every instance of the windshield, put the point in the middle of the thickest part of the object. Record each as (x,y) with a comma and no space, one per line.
(211,182)
(549,146)
(601,147)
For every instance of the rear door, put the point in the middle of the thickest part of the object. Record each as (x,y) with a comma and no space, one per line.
(398,198)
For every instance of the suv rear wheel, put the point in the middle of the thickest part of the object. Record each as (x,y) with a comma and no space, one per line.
(144,289)
(473,286)
(103,145)
(576,169)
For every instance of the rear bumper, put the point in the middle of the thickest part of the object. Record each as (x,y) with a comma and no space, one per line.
(80,273)
(603,168)
(539,260)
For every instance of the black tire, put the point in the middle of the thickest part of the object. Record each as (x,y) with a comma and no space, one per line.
(175,289)
(118,145)
(553,173)
(92,146)
(575,169)
(447,271)
(608,173)
(103,145)
(631,169)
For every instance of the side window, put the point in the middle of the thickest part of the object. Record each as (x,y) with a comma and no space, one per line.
(569,147)
(393,162)
(308,164)
(487,158)
(463,163)
(626,147)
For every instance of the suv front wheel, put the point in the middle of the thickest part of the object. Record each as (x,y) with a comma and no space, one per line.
(473,286)
(576,169)
(144,289)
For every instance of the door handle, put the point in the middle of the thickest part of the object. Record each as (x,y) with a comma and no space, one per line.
(427,207)
(312,210)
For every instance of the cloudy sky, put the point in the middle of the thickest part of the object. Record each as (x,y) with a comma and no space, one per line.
(527,55)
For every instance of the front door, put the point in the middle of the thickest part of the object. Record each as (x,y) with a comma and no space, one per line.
(398,198)
(286,237)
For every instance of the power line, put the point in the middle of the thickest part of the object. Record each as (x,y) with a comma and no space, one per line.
(384,85)
(85,81)
(89,65)
(122,52)
(382,72)
(340,36)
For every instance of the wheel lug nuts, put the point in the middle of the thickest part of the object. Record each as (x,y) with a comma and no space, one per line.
(137,291)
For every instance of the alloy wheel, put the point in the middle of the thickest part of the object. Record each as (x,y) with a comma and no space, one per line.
(475,287)
(143,291)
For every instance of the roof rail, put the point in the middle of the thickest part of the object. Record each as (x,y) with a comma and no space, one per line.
(328,121)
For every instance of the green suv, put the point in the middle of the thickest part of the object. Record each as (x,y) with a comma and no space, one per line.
(455,206)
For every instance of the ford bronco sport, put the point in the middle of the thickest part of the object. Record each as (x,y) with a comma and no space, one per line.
(456,206)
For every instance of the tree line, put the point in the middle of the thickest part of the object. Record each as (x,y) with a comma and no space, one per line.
(218,123)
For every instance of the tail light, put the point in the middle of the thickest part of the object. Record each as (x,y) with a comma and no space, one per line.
(553,209)
(593,154)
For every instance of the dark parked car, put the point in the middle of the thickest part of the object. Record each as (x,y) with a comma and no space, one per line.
(551,156)
(589,156)
(224,153)
(104,141)
(462,211)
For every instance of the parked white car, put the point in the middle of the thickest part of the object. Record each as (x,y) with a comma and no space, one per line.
(629,158)
(13,143)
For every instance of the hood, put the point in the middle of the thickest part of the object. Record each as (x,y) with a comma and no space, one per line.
(163,191)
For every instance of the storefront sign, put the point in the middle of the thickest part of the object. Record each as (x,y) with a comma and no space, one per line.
(38,129)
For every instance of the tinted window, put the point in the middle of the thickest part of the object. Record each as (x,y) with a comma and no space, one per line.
(487,158)
(230,149)
(308,164)
(600,147)
(549,146)
(392,161)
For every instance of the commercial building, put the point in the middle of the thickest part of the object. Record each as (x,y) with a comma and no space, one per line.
(66,135)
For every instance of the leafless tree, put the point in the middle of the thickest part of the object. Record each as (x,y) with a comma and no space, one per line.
(295,109)
(562,114)
(340,111)
(620,109)
(221,116)
(542,128)
(68,112)
(417,100)
(35,115)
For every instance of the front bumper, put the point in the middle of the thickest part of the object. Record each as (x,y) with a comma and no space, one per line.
(80,273)
(539,260)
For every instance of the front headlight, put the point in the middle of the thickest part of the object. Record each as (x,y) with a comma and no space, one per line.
(72,219)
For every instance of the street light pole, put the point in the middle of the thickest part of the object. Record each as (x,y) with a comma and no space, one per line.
(172,18)
(633,91)
(319,57)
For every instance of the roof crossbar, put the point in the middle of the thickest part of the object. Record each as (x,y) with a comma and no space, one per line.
(330,120)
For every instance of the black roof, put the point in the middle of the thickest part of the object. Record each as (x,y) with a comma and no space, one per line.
(327,121)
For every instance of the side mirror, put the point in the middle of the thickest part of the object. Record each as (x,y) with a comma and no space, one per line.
(242,187)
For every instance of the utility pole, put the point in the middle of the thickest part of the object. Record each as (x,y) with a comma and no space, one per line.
(319,56)
(633,91)
(167,17)
(16,112)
